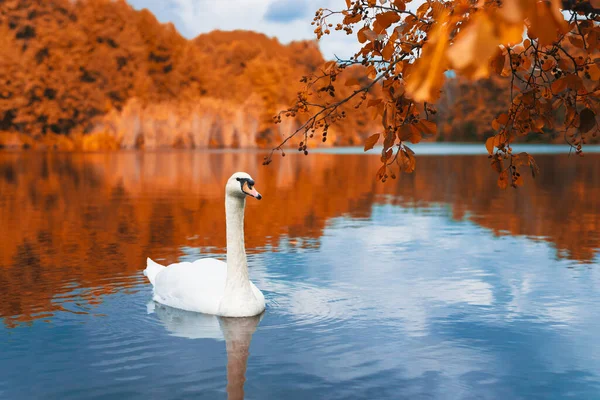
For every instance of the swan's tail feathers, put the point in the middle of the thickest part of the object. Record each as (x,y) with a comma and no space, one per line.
(152,269)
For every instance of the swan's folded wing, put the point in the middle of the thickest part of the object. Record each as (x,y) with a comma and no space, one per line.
(197,286)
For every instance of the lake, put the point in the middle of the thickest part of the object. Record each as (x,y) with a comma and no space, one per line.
(436,285)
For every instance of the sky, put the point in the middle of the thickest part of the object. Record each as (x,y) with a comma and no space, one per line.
(287,20)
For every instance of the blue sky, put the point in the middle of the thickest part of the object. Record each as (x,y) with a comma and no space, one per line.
(285,19)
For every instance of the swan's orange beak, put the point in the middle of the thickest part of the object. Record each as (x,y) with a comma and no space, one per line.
(250,191)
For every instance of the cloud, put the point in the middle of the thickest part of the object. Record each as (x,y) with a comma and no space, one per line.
(287,20)
(286,11)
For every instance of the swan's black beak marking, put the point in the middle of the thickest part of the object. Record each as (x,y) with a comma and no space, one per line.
(247,186)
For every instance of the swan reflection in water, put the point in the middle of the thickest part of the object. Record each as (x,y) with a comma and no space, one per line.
(237,333)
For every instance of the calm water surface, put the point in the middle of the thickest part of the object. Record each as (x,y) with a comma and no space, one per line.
(434,286)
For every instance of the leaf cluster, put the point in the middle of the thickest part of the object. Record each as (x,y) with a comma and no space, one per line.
(547,50)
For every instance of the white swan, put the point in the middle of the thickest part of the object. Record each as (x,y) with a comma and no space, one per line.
(211,286)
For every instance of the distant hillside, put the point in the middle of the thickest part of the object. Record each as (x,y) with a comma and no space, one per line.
(65,63)
(70,68)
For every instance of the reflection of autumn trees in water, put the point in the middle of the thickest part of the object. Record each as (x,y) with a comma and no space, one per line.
(89,221)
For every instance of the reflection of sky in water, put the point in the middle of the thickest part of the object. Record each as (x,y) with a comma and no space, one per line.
(406,304)
(448,298)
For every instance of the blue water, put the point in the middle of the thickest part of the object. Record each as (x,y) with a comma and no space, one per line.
(400,302)
(430,148)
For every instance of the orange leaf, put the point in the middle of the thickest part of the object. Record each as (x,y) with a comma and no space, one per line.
(352,82)
(415,136)
(388,50)
(436,9)
(367,48)
(406,47)
(587,120)
(329,66)
(406,161)
(422,10)
(594,71)
(370,35)
(386,155)
(384,117)
(573,81)
(371,141)
(511,33)
(489,144)
(427,73)
(409,133)
(371,72)
(401,6)
(404,133)
(564,64)
(352,19)
(387,18)
(379,109)
(576,41)
(498,62)
(559,85)
(474,46)
(502,118)
(373,102)
(569,115)
(545,21)
(521,159)
(548,65)
(511,11)
(497,165)
(592,41)
(361,34)
(389,139)
(428,127)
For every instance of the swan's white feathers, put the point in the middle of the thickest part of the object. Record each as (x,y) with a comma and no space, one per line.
(152,269)
(197,286)
(208,285)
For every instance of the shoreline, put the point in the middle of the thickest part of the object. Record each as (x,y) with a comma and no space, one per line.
(424,148)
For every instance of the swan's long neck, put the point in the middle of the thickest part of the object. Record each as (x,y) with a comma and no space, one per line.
(237,264)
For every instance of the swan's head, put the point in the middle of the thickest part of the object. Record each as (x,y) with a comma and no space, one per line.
(241,185)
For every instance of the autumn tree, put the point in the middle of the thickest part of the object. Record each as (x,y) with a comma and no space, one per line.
(72,70)
(547,51)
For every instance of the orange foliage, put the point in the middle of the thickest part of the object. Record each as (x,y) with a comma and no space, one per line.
(466,108)
(101,67)
(548,51)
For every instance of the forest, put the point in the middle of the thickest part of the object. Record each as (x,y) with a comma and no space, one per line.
(98,74)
